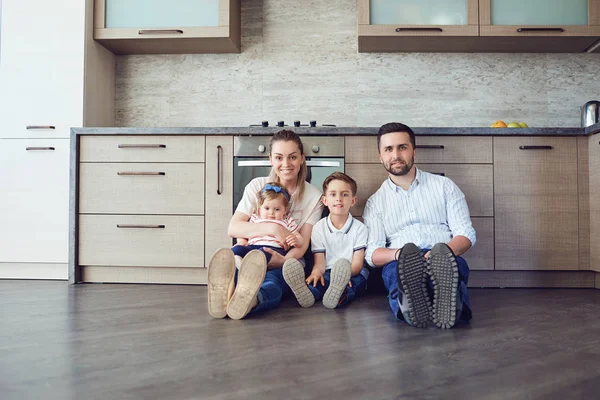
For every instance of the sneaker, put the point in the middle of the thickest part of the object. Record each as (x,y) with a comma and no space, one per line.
(293,273)
(221,270)
(338,281)
(250,278)
(443,269)
(412,282)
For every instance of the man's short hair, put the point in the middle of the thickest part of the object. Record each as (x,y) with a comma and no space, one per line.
(395,127)
(340,176)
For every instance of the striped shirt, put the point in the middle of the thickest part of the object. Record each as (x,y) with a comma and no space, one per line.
(287,222)
(432,210)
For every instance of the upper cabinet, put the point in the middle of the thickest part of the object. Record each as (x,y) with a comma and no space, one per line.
(161,26)
(532,26)
(541,26)
(417,25)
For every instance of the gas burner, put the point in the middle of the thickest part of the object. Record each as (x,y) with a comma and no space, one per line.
(281,124)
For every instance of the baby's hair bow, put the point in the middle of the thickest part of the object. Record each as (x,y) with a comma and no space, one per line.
(276,189)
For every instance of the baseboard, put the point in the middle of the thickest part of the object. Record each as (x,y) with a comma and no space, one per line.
(534,279)
(53,271)
(172,275)
(597,280)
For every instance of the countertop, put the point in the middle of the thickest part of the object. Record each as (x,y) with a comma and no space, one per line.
(335,131)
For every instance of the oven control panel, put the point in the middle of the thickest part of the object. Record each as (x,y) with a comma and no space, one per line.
(314,146)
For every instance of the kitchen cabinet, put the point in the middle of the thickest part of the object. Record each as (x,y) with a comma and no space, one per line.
(539,26)
(594,188)
(157,27)
(415,26)
(465,160)
(52,77)
(219,193)
(536,203)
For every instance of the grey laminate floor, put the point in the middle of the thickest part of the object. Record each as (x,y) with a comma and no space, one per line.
(158,342)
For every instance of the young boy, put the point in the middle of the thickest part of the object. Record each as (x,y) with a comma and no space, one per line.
(338,243)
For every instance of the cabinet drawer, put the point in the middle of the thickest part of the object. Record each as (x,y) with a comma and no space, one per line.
(475,181)
(430,149)
(141,149)
(141,188)
(135,240)
(481,256)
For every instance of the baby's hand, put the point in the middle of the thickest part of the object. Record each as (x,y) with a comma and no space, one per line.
(294,240)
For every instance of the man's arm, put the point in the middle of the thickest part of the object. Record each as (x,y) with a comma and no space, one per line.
(376,255)
(459,220)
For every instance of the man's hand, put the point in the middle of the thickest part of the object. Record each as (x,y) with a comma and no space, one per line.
(427,255)
(294,240)
(315,277)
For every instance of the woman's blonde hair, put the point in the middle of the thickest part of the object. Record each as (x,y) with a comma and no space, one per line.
(273,191)
(290,136)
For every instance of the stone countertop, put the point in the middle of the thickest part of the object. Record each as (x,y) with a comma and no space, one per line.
(335,131)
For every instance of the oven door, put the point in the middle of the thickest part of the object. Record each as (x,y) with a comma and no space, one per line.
(247,168)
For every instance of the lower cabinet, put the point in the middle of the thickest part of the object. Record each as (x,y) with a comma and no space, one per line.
(536,203)
(594,164)
(35,208)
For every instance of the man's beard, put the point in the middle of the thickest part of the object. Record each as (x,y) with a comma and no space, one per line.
(399,170)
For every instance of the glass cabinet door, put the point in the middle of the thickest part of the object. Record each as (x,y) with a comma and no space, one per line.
(161,13)
(539,12)
(418,12)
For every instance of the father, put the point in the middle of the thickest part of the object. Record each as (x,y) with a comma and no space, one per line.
(419,225)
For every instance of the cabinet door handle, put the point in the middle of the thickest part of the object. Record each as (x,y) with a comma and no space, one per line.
(432,29)
(159,31)
(40,127)
(535,147)
(126,226)
(142,146)
(540,30)
(219,169)
(141,173)
(40,148)
(430,146)
(439,173)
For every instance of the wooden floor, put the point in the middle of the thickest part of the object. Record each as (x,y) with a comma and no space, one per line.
(158,342)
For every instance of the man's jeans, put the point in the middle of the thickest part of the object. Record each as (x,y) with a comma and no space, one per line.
(390,280)
(359,285)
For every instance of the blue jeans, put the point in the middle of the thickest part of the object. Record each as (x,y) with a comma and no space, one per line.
(390,280)
(359,285)
(241,251)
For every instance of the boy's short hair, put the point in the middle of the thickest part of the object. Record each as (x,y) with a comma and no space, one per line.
(340,176)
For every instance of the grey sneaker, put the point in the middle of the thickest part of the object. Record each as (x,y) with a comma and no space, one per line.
(412,282)
(293,273)
(443,269)
(338,281)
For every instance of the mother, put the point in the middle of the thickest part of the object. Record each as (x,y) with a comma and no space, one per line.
(288,168)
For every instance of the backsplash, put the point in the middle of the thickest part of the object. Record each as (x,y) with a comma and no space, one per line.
(299,61)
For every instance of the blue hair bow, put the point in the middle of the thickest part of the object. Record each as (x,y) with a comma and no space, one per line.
(277,189)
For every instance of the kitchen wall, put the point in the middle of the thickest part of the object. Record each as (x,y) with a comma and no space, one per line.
(299,60)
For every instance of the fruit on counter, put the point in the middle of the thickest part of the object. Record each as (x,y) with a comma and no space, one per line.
(523,125)
(513,125)
(498,124)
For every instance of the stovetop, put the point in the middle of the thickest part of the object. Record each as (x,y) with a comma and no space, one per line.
(281,124)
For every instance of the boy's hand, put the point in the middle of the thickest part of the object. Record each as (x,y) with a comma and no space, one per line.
(315,277)
(294,240)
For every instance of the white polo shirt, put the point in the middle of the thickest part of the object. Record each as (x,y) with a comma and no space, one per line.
(339,243)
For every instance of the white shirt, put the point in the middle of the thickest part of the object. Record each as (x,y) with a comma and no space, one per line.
(339,243)
(267,240)
(307,210)
(432,210)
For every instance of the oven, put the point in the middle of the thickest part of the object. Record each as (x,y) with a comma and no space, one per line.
(324,155)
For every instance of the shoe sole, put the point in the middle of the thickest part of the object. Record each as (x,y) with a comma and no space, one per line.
(338,281)
(293,274)
(412,278)
(251,275)
(443,269)
(221,270)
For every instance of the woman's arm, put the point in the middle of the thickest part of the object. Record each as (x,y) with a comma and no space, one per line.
(277,259)
(240,227)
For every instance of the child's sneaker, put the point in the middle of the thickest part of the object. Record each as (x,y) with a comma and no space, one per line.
(221,270)
(339,276)
(412,282)
(293,273)
(250,278)
(443,269)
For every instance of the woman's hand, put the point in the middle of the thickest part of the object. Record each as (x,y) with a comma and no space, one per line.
(280,233)
(315,277)
(276,260)
(294,240)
